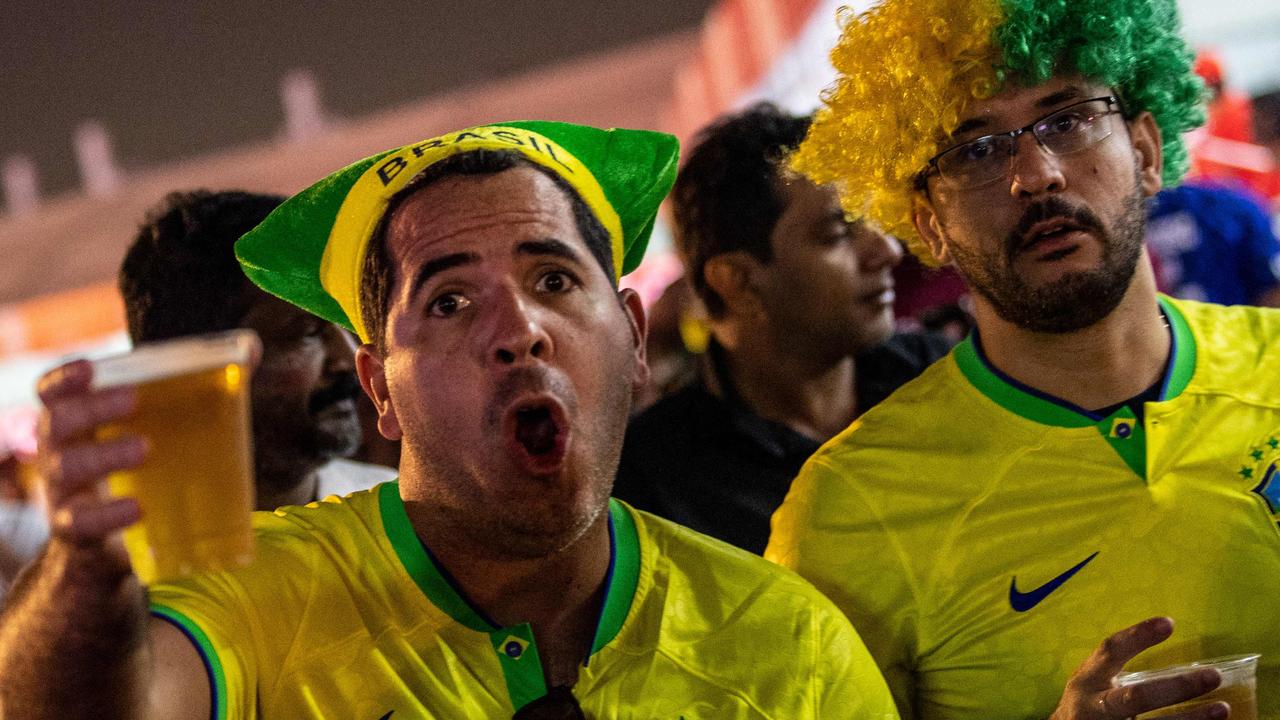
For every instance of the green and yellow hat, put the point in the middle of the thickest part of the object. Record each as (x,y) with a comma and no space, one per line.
(311,250)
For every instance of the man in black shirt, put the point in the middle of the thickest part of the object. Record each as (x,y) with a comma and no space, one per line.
(800,302)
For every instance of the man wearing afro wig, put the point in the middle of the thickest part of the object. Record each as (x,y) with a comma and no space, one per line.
(1096,460)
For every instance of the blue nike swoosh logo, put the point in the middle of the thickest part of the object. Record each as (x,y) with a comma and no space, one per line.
(1024,601)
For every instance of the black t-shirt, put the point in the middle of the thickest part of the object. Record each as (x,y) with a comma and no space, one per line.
(713,465)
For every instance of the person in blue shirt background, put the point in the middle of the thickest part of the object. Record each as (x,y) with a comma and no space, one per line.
(1214,243)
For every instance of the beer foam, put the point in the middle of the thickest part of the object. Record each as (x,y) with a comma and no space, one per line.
(180,356)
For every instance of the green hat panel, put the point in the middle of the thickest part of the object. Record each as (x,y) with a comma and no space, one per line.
(311,250)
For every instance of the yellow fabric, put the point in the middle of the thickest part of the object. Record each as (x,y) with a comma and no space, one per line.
(327,623)
(917,520)
(361,211)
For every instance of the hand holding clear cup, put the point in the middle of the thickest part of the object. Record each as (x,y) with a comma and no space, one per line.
(1094,691)
(168,424)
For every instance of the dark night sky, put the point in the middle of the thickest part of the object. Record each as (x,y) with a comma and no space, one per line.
(170,79)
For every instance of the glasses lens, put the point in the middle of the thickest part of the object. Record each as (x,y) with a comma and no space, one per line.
(558,704)
(1074,128)
(976,162)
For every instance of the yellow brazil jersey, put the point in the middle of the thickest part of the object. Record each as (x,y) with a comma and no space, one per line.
(346,614)
(985,538)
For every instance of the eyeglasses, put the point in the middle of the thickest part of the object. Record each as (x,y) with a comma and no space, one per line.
(558,704)
(978,162)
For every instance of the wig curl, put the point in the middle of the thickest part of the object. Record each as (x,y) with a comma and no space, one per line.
(909,68)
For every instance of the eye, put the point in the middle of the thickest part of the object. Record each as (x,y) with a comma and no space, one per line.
(447,304)
(556,281)
(976,151)
(1064,123)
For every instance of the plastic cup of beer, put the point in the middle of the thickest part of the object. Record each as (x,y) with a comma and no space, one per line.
(1239,686)
(195,487)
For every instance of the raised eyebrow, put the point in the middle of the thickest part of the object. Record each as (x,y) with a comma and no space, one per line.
(439,265)
(969,126)
(1063,95)
(551,247)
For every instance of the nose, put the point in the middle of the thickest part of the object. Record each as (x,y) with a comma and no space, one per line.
(516,331)
(339,350)
(878,251)
(1036,171)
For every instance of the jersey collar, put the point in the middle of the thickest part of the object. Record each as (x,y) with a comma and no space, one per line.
(435,582)
(1040,407)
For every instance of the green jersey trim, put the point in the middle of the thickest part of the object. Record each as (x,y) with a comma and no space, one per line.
(514,646)
(1045,409)
(212,665)
(624,575)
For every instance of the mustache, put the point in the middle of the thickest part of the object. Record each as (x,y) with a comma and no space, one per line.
(345,386)
(522,380)
(1046,209)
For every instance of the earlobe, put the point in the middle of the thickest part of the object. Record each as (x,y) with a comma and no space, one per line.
(373,378)
(729,275)
(638,321)
(929,228)
(1148,149)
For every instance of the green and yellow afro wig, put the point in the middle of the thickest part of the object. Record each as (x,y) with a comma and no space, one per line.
(908,69)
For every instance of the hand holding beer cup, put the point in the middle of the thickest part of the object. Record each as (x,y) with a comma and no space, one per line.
(168,425)
(1092,692)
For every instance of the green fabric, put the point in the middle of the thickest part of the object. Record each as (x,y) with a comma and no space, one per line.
(521,664)
(635,169)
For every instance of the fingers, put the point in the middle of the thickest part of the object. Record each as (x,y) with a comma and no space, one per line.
(1141,697)
(68,416)
(83,520)
(72,377)
(1110,657)
(78,468)
(74,463)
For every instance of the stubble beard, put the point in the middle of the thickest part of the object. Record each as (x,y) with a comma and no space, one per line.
(1074,301)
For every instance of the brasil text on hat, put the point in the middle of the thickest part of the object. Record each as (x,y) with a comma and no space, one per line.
(311,250)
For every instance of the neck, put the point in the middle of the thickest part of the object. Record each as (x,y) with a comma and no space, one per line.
(812,394)
(282,483)
(559,595)
(1104,364)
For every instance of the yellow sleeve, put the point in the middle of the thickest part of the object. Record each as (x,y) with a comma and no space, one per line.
(828,532)
(221,630)
(848,682)
(244,622)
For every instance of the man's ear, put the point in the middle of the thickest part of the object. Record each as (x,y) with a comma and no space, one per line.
(633,308)
(373,378)
(730,276)
(925,217)
(1148,152)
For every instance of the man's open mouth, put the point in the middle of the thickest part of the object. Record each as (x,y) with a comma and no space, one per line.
(538,431)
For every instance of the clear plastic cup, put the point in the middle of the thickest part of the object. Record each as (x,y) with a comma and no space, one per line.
(195,487)
(1239,686)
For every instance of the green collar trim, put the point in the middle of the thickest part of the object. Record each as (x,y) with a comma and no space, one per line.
(515,647)
(1029,403)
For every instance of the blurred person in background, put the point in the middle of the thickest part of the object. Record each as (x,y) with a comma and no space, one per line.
(1213,243)
(800,309)
(1230,113)
(180,277)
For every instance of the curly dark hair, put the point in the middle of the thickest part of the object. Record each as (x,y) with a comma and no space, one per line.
(180,276)
(727,194)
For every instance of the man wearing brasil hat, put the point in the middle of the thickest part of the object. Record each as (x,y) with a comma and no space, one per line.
(496,577)
(1095,458)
